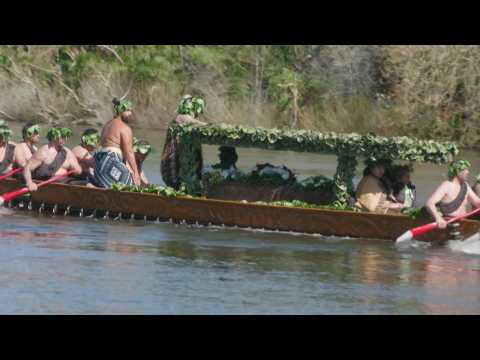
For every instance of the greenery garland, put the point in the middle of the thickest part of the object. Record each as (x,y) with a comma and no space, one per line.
(170,192)
(347,147)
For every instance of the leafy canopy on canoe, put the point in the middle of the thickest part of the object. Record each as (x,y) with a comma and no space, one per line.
(377,147)
(347,147)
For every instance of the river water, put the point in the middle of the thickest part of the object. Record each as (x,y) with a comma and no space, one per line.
(66,265)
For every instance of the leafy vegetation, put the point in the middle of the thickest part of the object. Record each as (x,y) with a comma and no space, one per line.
(428,91)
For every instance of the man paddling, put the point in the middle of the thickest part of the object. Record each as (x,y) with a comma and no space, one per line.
(451,198)
(116,150)
(7,149)
(84,152)
(51,159)
(25,150)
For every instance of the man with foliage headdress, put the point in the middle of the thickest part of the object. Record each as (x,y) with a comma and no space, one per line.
(25,150)
(142,149)
(189,109)
(117,150)
(451,198)
(89,142)
(7,148)
(51,159)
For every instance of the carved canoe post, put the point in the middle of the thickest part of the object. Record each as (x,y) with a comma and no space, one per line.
(346,166)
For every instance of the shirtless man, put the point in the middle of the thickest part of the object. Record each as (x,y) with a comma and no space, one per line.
(51,159)
(116,150)
(452,196)
(7,149)
(84,152)
(25,150)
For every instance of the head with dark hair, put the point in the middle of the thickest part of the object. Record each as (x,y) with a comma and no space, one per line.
(90,138)
(31,132)
(228,157)
(375,167)
(123,109)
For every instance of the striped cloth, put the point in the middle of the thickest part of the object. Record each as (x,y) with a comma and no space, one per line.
(110,169)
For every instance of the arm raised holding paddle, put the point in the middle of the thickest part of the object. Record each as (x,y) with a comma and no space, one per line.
(449,200)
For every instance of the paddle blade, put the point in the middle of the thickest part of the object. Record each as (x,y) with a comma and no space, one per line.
(408,236)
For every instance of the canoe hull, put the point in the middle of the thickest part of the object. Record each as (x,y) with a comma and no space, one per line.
(231,213)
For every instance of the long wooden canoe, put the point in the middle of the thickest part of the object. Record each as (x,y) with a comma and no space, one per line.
(234,213)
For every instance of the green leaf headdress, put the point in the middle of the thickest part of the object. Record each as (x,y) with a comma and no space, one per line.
(92,139)
(56,133)
(190,105)
(5,131)
(29,131)
(457,167)
(141,146)
(119,106)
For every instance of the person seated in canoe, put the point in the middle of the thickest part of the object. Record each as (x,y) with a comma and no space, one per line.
(7,149)
(373,192)
(451,198)
(141,149)
(404,191)
(228,163)
(25,150)
(116,150)
(476,186)
(89,142)
(51,159)
(188,111)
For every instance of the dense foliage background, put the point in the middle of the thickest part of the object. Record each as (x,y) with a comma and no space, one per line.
(424,91)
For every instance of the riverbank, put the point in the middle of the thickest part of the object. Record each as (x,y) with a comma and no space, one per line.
(422,91)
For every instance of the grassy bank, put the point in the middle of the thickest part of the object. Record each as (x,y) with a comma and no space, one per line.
(423,91)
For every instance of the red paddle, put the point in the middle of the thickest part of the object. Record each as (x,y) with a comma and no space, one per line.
(11,173)
(410,234)
(16,193)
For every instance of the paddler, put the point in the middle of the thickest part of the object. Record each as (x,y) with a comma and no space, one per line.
(51,159)
(451,198)
(117,150)
(188,110)
(84,152)
(373,194)
(25,150)
(141,149)
(7,149)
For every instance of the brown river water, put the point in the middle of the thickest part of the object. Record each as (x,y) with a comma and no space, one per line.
(66,265)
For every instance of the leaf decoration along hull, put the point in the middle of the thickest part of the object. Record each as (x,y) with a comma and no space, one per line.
(395,148)
(231,213)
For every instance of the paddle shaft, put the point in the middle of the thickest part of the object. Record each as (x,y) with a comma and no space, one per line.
(16,193)
(429,227)
(11,173)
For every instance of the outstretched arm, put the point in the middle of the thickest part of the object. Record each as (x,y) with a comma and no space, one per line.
(19,156)
(431,203)
(73,164)
(35,161)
